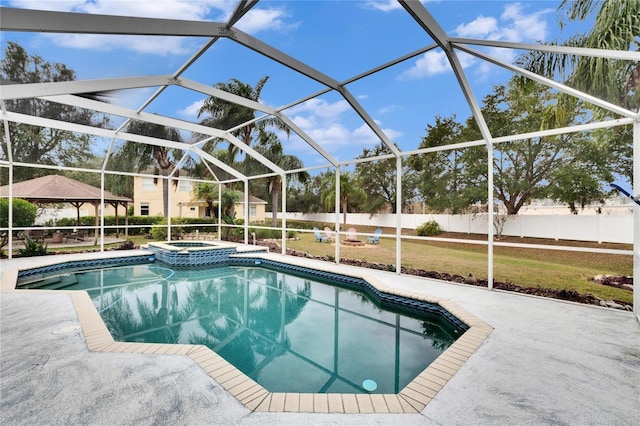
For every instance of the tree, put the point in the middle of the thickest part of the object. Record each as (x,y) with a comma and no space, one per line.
(616,27)
(207,192)
(144,155)
(351,193)
(38,145)
(448,179)
(523,169)
(305,197)
(224,115)
(270,147)
(229,198)
(378,179)
(24,214)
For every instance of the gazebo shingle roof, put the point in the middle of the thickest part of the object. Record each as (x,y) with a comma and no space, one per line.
(59,189)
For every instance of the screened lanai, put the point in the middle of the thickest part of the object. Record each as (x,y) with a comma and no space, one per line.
(381,54)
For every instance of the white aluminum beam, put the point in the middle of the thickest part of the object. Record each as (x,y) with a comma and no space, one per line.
(96,131)
(636,218)
(241,9)
(292,63)
(426,21)
(41,21)
(420,14)
(164,121)
(34,90)
(551,83)
(248,103)
(567,50)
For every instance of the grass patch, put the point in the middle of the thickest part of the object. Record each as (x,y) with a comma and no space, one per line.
(522,266)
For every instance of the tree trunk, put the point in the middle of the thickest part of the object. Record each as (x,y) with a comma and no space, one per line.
(344,213)
(165,193)
(275,195)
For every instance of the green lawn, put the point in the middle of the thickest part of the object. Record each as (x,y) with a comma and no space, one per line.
(526,267)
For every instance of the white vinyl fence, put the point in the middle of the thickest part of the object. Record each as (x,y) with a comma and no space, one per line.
(596,228)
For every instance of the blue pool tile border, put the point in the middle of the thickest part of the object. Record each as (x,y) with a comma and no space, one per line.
(75,265)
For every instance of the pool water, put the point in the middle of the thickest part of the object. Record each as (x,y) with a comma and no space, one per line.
(288,333)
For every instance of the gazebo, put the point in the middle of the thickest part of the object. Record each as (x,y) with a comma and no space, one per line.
(61,189)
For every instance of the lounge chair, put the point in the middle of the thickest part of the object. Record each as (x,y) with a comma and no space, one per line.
(319,237)
(375,239)
(352,234)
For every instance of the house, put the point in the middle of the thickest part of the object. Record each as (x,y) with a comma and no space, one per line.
(147,196)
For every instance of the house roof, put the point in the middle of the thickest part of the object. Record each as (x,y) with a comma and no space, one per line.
(59,189)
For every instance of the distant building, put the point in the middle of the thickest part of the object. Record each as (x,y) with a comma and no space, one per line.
(148,201)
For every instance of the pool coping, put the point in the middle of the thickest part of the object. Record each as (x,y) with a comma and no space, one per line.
(413,398)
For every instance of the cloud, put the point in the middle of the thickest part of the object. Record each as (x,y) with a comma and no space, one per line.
(389,108)
(479,27)
(384,6)
(273,19)
(256,20)
(512,25)
(320,108)
(388,5)
(190,112)
(324,122)
(432,63)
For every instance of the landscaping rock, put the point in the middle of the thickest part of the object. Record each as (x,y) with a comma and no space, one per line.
(614,305)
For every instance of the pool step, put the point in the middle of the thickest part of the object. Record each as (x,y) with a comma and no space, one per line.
(52,283)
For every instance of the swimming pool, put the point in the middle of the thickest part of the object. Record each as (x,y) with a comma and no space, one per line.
(287,332)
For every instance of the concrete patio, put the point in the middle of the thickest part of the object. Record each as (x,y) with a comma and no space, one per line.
(546,362)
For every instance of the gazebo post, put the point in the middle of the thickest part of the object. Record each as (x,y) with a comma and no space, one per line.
(126,220)
(77,205)
(96,207)
(115,206)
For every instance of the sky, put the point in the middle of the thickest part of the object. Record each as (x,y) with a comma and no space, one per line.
(338,38)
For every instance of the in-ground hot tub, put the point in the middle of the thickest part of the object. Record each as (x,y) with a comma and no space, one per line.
(199,253)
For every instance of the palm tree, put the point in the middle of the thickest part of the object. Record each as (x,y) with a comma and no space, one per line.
(207,192)
(270,147)
(350,192)
(616,27)
(145,155)
(224,115)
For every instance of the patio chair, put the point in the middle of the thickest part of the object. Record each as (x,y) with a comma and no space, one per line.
(329,233)
(375,239)
(76,236)
(319,237)
(352,234)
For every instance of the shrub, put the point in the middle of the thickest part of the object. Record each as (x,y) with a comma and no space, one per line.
(24,213)
(428,228)
(159,231)
(32,248)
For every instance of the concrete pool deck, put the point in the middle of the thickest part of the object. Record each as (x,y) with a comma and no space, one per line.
(546,362)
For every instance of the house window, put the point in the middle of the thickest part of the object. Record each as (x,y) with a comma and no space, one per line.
(192,209)
(184,186)
(253,211)
(144,209)
(148,184)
